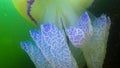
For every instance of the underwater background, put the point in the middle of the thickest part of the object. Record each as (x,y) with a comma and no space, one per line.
(14,28)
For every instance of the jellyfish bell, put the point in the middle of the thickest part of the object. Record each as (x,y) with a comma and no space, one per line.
(21,6)
(36,10)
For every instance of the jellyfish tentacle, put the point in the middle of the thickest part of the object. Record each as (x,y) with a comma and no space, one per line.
(35,55)
(84,23)
(59,49)
(76,36)
(95,49)
(80,33)
(53,45)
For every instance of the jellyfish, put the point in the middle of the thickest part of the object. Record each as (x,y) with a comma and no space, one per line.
(65,36)
(52,42)
(36,10)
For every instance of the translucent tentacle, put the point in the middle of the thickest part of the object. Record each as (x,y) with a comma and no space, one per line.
(59,49)
(84,24)
(76,36)
(95,49)
(80,33)
(35,55)
(54,47)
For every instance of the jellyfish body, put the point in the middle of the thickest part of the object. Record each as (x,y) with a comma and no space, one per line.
(64,28)
(21,6)
(35,10)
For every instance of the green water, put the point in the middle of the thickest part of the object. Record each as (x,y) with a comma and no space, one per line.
(13,29)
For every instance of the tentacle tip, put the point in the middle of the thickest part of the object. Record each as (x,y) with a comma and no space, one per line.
(85,16)
(35,34)
(46,27)
(25,45)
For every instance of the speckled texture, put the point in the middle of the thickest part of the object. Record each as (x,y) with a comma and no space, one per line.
(52,45)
